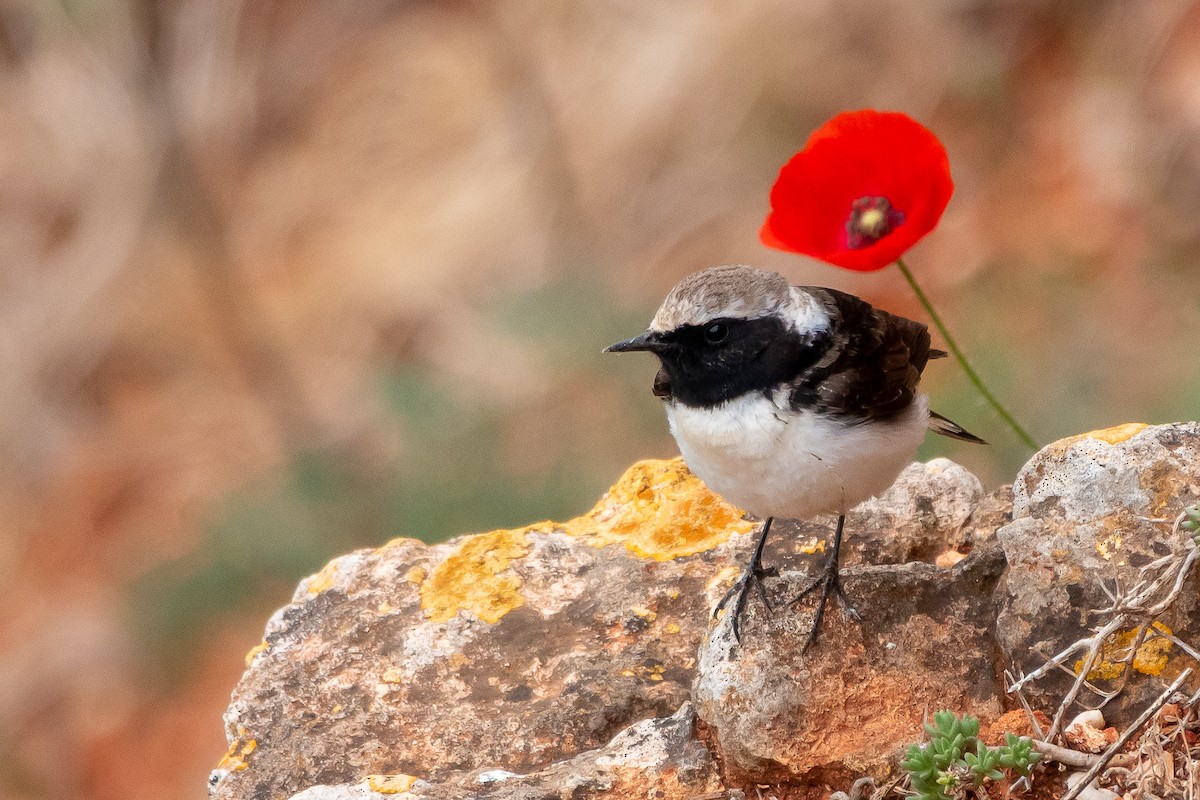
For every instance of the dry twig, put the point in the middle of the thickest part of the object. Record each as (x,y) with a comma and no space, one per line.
(1034,725)
(1116,746)
(1159,583)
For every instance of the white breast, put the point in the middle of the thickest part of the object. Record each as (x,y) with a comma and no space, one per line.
(774,462)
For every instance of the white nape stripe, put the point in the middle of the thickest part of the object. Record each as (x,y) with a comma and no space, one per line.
(804,313)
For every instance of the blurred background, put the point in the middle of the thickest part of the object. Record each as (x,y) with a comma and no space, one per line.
(280,279)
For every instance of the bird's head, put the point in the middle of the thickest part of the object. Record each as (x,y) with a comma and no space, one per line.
(729,330)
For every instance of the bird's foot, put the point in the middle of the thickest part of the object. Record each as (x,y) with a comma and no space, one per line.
(751,577)
(829,583)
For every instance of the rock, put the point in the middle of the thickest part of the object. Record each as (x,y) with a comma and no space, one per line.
(1089,512)
(852,701)
(928,510)
(1086,732)
(1092,791)
(1016,722)
(658,758)
(1087,739)
(564,659)
(509,649)
(357,791)
(931,508)
(518,649)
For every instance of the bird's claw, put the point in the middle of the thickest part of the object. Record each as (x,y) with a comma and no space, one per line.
(830,583)
(741,589)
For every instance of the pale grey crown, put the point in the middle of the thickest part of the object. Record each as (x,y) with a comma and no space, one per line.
(734,291)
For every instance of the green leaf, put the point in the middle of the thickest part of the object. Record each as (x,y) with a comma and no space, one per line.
(970,727)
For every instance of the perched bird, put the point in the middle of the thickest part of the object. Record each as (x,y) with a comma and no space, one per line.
(789,401)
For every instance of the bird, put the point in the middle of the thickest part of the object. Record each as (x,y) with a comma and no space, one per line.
(789,402)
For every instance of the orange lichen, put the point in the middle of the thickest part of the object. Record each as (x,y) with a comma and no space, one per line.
(476,578)
(1150,659)
(235,759)
(390,784)
(659,510)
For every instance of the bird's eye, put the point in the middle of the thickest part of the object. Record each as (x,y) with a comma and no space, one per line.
(716,333)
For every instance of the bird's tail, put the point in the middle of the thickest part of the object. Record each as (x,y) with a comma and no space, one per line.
(947,427)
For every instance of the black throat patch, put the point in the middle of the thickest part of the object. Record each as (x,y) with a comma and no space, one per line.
(707,365)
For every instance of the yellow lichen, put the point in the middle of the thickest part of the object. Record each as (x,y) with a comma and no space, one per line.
(254,651)
(1150,659)
(672,628)
(1109,545)
(815,544)
(1118,433)
(1114,435)
(323,579)
(727,575)
(476,578)
(659,510)
(401,543)
(651,672)
(392,675)
(390,784)
(644,613)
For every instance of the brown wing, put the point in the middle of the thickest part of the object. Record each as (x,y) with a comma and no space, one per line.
(873,364)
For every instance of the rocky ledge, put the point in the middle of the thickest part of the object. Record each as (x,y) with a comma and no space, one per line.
(579,659)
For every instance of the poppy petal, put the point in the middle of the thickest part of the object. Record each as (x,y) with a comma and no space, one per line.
(857,155)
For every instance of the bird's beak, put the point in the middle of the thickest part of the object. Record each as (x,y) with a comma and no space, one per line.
(650,340)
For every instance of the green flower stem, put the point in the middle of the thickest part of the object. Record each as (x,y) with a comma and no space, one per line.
(962,359)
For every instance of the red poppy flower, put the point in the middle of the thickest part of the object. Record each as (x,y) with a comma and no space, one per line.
(865,188)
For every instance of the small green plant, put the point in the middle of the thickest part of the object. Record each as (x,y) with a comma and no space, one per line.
(1191,523)
(955,761)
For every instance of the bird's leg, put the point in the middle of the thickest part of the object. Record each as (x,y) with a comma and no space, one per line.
(829,583)
(752,576)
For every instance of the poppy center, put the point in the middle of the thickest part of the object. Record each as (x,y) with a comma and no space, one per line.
(871,219)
